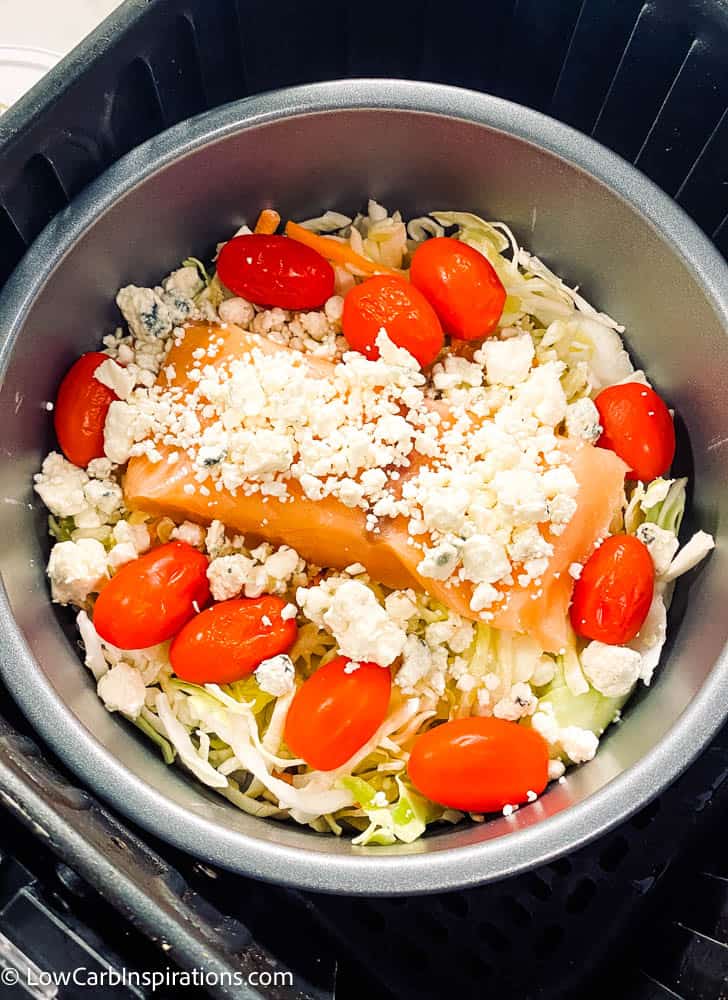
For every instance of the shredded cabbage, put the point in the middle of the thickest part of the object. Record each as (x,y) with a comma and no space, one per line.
(666,511)
(179,737)
(168,752)
(200,267)
(574,677)
(652,635)
(590,710)
(61,528)
(661,502)
(404,819)
(692,553)
(329,222)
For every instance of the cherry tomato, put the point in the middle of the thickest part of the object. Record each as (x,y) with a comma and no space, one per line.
(614,592)
(336,711)
(152,597)
(227,641)
(275,271)
(479,764)
(638,427)
(393,303)
(461,285)
(80,411)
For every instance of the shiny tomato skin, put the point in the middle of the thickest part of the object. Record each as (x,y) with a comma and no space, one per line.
(461,285)
(334,713)
(227,641)
(393,303)
(275,271)
(149,599)
(80,410)
(479,764)
(638,427)
(614,592)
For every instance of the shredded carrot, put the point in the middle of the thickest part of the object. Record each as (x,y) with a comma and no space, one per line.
(268,221)
(283,776)
(339,253)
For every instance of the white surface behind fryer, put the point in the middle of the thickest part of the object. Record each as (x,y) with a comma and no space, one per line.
(34,33)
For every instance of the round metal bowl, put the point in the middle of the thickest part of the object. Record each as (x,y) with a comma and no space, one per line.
(592,217)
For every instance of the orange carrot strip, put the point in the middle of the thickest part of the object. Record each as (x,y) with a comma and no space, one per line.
(268,221)
(339,253)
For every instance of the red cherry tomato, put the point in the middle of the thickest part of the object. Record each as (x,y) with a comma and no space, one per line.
(390,302)
(275,271)
(152,597)
(80,411)
(638,427)
(461,285)
(227,641)
(479,764)
(614,592)
(335,712)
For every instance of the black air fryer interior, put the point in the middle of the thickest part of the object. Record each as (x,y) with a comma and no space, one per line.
(638,914)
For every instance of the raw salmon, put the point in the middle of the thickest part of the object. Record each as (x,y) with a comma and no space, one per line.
(329,534)
(541,610)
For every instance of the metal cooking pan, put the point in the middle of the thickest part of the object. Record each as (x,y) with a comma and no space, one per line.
(592,217)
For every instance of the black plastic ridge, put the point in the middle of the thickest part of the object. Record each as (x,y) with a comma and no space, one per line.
(136,880)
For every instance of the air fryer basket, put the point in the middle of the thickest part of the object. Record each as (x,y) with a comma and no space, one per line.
(648,79)
(328,146)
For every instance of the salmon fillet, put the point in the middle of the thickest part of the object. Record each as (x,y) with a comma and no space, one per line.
(600,474)
(330,534)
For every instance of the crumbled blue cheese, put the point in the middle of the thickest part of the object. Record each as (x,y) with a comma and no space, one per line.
(60,485)
(276,675)
(350,611)
(121,554)
(439,562)
(507,362)
(191,533)
(556,769)
(113,376)
(68,491)
(518,703)
(582,420)
(401,606)
(104,501)
(528,544)
(578,744)
(281,565)
(99,468)
(484,595)
(416,663)
(76,570)
(236,310)
(125,425)
(136,535)
(228,575)
(122,690)
(215,539)
(545,724)
(145,312)
(484,560)
(185,281)
(611,670)
(661,544)
(521,494)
